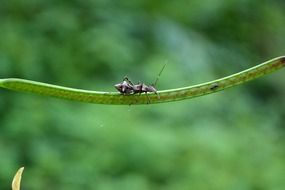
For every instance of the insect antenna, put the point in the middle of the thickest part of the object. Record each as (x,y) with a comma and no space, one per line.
(158,76)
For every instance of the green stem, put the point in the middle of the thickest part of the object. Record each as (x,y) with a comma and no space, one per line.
(150,98)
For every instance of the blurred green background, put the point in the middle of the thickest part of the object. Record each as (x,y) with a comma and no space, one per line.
(229,140)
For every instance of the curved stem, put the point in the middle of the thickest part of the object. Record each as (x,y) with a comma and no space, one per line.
(150,98)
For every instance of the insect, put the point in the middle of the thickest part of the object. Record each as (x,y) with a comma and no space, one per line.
(127,87)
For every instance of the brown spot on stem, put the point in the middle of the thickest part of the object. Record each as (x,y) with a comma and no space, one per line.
(214,86)
(282,60)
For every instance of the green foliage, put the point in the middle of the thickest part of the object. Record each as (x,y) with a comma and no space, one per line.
(230,140)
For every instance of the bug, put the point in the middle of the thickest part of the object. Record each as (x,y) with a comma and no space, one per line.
(127,87)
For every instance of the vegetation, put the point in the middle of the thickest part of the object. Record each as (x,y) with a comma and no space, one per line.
(229,140)
(16,183)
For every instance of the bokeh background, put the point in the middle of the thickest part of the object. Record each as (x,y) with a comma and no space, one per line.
(230,140)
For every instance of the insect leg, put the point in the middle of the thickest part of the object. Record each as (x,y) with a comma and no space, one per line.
(148,99)
(158,96)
